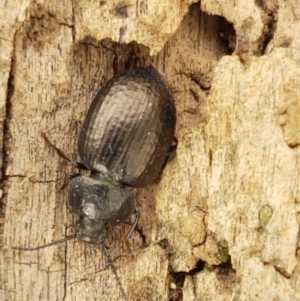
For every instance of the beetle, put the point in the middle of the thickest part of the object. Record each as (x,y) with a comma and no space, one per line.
(125,140)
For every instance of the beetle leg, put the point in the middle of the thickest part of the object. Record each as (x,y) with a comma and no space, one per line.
(111,263)
(137,217)
(171,152)
(173,147)
(62,155)
(72,175)
(128,235)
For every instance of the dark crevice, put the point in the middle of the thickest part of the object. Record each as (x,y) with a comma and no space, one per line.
(278,269)
(282,272)
(141,233)
(8,102)
(225,267)
(195,95)
(199,78)
(16,176)
(269,16)
(6,135)
(227,34)
(269,31)
(74,22)
(178,279)
(210,156)
(65,24)
(164,244)
(78,281)
(198,268)
(43,181)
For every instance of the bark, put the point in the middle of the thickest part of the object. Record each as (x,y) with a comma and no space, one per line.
(223,221)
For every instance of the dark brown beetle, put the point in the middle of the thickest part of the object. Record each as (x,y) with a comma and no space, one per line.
(125,140)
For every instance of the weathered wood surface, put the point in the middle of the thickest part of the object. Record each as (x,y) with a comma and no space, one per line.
(227,204)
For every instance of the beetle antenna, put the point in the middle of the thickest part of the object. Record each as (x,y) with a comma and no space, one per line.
(46,245)
(62,154)
(111,263)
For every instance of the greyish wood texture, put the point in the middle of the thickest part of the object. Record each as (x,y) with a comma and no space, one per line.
(223,222)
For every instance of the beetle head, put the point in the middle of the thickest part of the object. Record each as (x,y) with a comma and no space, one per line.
(98,202)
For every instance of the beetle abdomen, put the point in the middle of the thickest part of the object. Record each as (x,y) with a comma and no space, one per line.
(129,128)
